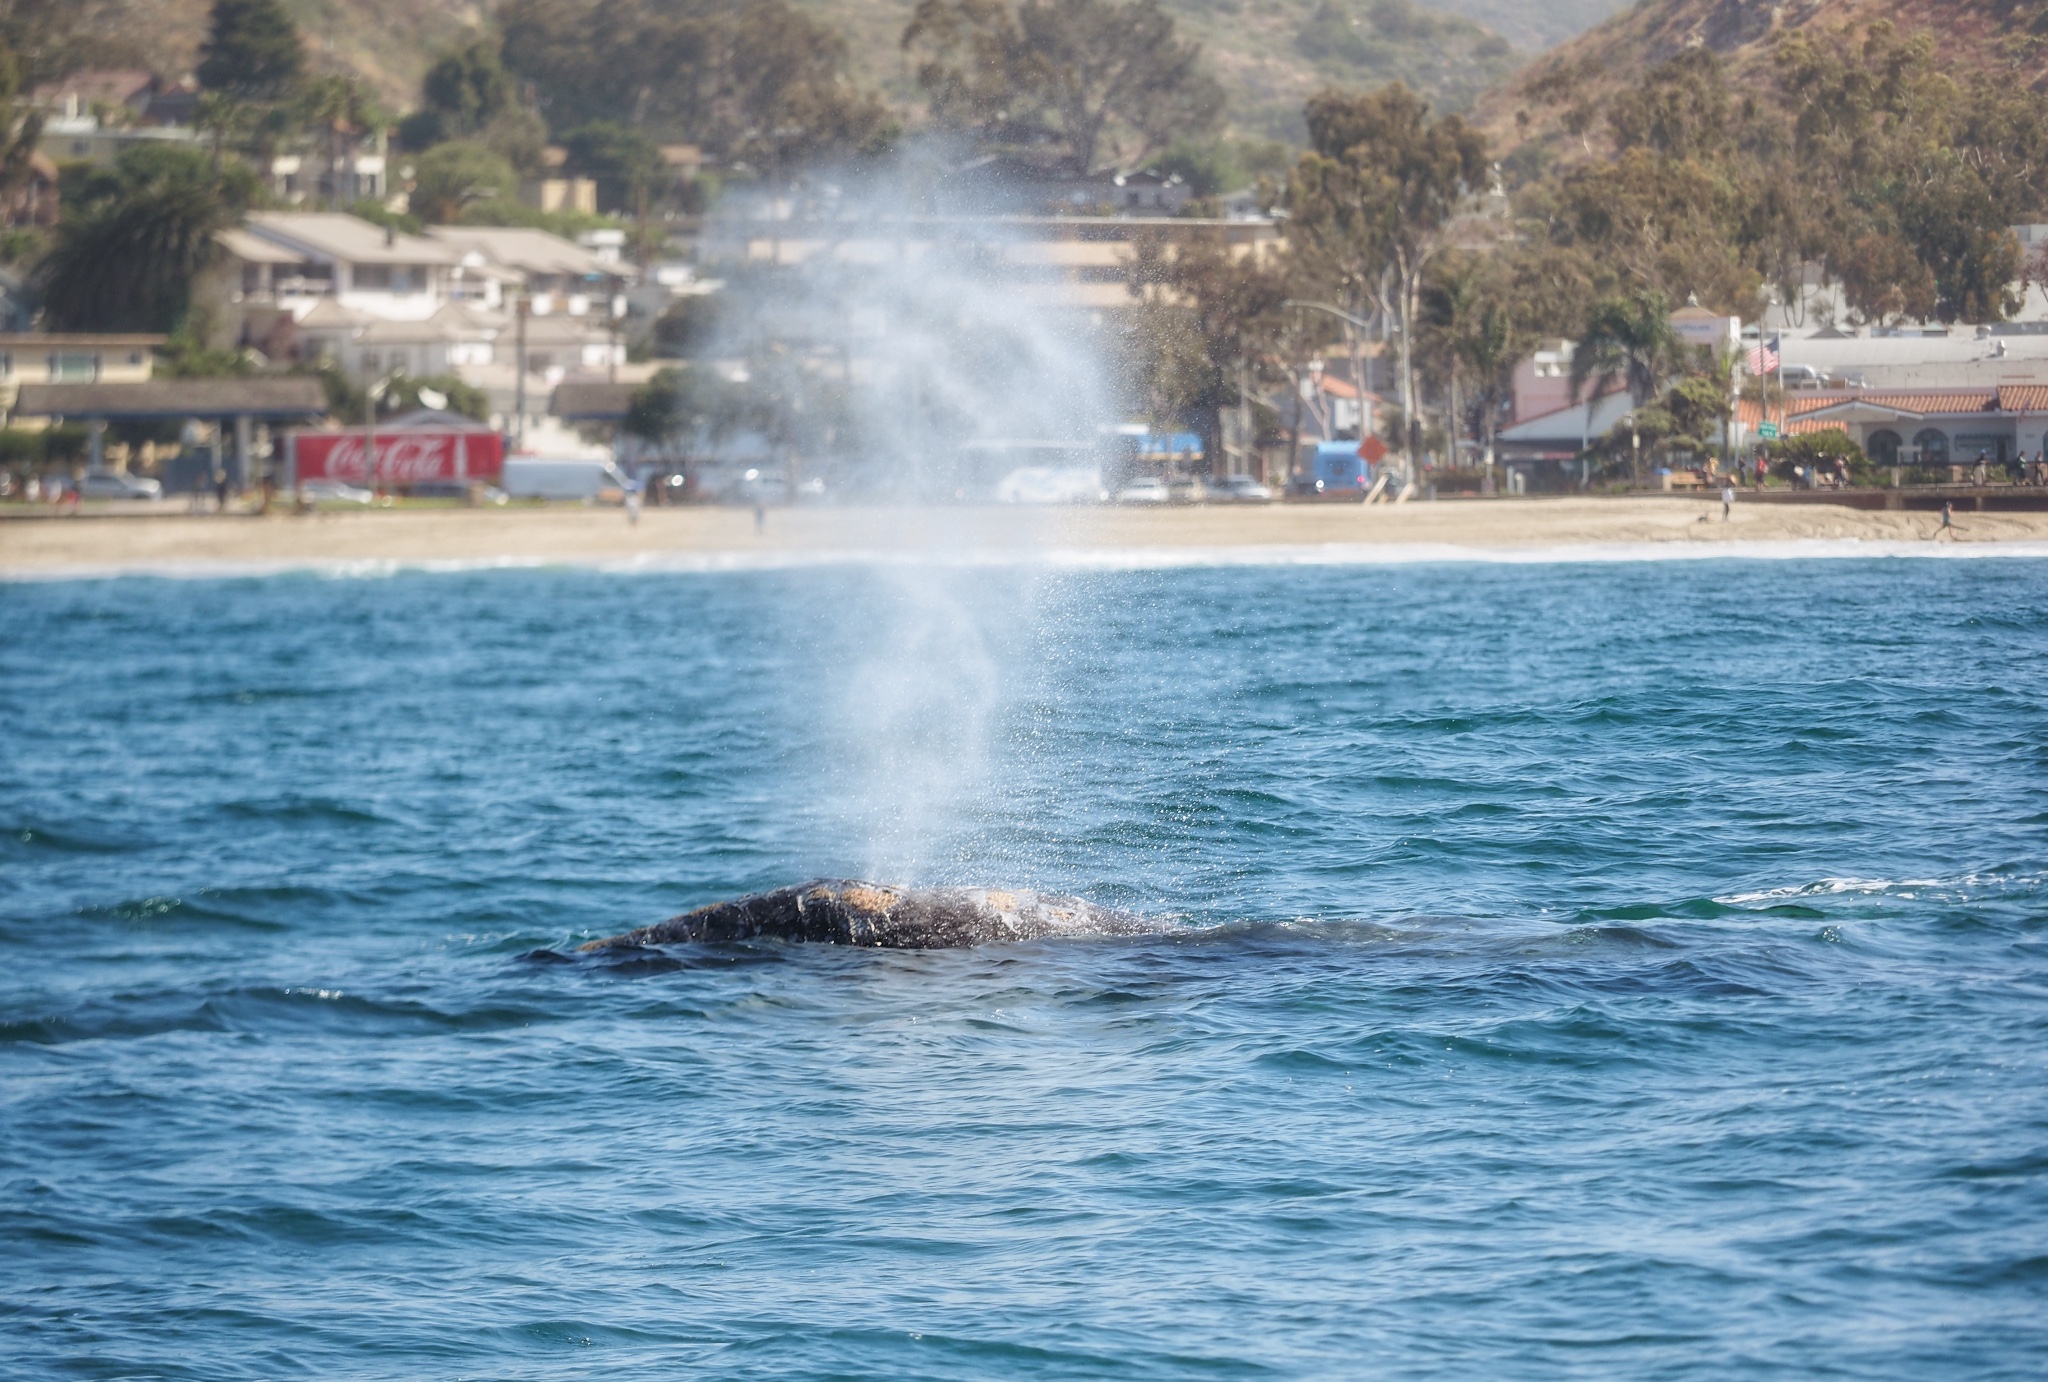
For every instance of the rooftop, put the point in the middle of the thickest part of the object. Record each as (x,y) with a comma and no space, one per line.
(272,396)
(29,340)
(333,236)
(534,251)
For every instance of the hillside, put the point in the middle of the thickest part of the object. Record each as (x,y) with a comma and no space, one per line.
(1997,40)
(1270,54)
(388,42)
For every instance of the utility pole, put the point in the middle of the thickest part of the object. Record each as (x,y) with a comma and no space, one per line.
(520,308)
(370,391)
(612,358)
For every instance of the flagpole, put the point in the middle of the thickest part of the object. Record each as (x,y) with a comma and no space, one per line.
(1778,349)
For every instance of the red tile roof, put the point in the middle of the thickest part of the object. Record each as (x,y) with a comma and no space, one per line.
(2023,398)
(1948,402)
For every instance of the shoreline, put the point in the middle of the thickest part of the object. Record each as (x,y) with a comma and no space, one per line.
(92,545)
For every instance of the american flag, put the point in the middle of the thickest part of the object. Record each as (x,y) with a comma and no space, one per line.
(1764,358)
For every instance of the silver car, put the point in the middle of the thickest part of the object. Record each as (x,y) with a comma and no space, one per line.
(118,484)
(333,492)
(1239,489)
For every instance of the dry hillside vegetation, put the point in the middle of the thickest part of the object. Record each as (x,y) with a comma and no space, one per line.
(1269,54)
(1552,104)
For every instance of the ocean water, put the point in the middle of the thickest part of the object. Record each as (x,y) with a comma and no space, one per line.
(1562,970)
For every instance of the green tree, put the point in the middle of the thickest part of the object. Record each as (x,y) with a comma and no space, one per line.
(1477,331)
(1205,331)
(1627,340)
(630,172)
(405,393)
(468,94)
(1381,184)
(462,93)
(21,126)
(1095,80)
(757,80)
(656,412)
(342,112)
(449,178)
(129,247)
(251,51)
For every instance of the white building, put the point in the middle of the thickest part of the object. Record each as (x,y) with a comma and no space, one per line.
(379,301)
(295,260)
(493,263)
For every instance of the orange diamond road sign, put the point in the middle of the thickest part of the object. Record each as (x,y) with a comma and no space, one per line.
(1373,449)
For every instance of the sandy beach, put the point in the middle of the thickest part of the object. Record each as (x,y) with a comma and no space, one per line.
(91,543)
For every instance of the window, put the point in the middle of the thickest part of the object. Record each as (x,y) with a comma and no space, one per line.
(1932,446)
(372,362)
(1883,447)
(373,277)
(1990,446)
(74,367)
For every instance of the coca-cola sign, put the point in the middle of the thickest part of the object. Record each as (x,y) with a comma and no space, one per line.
(403,457)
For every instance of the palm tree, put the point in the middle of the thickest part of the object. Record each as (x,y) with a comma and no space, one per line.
(344,111)
(1627,340)
(1493,343)
(128,263)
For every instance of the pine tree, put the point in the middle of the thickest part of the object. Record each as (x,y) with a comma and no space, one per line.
(252,50)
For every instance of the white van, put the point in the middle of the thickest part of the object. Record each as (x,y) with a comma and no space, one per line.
(542,477)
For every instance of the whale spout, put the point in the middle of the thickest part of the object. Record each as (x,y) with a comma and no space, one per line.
(838,911)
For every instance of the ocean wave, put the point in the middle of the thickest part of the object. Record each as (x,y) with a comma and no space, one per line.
(1058,558)
(1965,885)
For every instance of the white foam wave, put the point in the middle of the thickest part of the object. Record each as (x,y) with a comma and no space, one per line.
(1333,554)
(1906,889)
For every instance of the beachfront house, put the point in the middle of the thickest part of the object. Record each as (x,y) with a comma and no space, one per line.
(1929,428)
(496,263)
(71,358)
(292,261)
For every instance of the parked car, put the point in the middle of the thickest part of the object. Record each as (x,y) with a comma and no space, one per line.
(1239,489)
(1187,489)
(1805,377)
(1146,489)
(333,492)
(116,484)
(457,489)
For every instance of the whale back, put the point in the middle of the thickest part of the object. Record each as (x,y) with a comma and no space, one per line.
(838,911)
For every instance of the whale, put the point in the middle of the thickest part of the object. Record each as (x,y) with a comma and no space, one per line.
(842,911)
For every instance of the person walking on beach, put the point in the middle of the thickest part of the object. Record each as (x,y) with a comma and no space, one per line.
(760,515)
(1948,521)
(1727,500)
(632,508)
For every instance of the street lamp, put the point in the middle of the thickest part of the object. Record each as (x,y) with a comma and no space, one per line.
(377,389)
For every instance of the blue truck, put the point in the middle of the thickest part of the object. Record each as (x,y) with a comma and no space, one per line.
(1332,467)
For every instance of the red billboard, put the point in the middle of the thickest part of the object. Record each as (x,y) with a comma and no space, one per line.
(407,457)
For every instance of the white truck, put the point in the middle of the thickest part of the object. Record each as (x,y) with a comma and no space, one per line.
(544,477)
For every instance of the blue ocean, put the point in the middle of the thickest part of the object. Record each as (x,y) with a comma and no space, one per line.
(1561,969)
